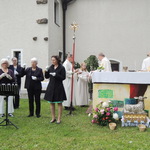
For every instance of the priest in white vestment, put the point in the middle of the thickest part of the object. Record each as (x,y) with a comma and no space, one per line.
(104,62)
(146,63)
(82,91)
(68,82)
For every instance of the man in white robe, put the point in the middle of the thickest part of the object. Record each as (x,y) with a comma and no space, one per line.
(68,82)
(146,63)
(104,62)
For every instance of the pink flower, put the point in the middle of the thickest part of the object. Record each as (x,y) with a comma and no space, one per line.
(102,111)
(101,102)
(115,108)
(96,109)
(95,116)
(108,109)
(93,121)
(107,114)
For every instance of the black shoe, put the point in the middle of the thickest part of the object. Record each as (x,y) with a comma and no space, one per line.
(30,115)
(16,108)
(3,115)
(38,116)
(66,108)
(10,115)
(52,121)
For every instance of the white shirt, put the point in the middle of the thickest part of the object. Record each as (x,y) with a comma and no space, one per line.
(146,64)
(106,64)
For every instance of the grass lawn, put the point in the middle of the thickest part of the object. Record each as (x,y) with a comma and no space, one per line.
(75,133)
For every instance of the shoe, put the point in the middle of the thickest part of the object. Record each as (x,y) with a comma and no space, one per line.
(52,121)
(10,115)
(2,115)
(58,122)
(38,116)
(66,108)
(16,108)
(30,115)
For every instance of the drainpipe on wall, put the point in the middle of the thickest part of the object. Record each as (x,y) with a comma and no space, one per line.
(64,6)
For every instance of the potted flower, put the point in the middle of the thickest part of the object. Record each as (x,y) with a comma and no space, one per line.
(104,114)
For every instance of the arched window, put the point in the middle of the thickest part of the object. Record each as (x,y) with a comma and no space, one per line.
(116,65)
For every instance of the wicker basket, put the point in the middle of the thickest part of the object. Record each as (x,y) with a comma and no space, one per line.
(112,126)
(142,127)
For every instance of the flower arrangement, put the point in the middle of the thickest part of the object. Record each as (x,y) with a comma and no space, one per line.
(100,68)
(104,113)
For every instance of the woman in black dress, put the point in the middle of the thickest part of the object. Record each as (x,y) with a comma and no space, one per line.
(55,92)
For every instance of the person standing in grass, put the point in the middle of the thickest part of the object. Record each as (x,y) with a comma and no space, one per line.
(70,73)
(34,76)
(17,69)
(55,92)
(6,77)
(82,86)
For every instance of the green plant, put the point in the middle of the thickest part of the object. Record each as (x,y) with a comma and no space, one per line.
(92,63)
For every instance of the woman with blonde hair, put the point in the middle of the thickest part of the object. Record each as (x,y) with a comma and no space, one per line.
(82,86)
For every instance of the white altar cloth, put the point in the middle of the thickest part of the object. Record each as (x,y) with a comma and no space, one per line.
(121,77)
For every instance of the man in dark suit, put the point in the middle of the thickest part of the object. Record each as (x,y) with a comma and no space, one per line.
(17,69)
(34,76)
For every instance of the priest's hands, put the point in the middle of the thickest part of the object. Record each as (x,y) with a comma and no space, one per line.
(76,71)
(53,74)
(34,78)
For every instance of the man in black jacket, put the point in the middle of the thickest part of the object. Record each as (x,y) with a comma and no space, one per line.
(17,69)
(34,76)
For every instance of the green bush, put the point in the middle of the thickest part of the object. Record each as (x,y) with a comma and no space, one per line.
(92,63)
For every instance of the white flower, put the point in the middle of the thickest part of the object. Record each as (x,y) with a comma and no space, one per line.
(89,114)
(115,116)
(105,104)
